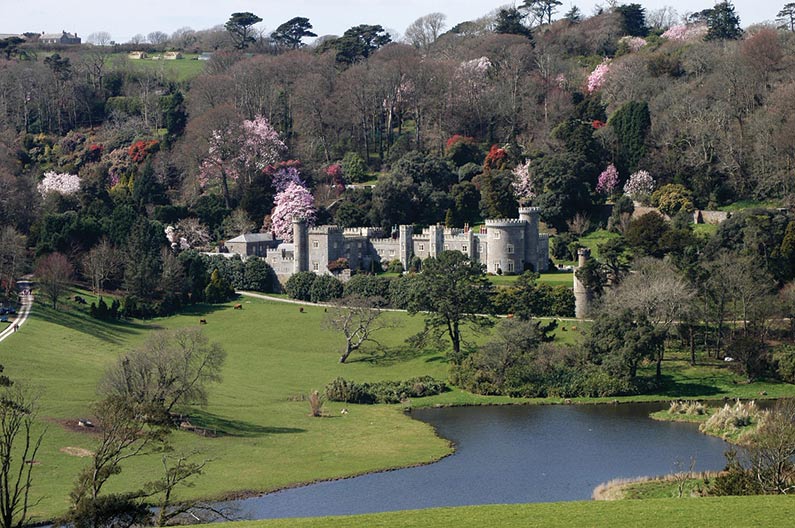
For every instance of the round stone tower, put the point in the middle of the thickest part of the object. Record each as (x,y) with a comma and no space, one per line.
(582,294)
(530,215)
(301,245)
(506,245)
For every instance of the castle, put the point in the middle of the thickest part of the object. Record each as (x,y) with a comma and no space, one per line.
(503,245)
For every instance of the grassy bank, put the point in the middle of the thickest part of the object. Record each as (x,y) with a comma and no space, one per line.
(266,440)
(718,512)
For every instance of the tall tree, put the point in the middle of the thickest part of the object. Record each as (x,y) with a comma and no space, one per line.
(542,10)
(100,264)
(786,17)
(722,22)
(53,273)
(142,259)
(630,124)
(357,318)
(358,43)
(290,34)
(241,28)
(634,16)
(19,445)
(12,257)
(511,21)
(425,30)
(453,293)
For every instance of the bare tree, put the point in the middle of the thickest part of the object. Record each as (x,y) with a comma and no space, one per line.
(183,37)
(137,39)
(424,31)
(18,448)
(772,449)
(237,223)
(194,232)
(579,224)
(171,368)
(53,274)
(157,38)
(358,318)
(662,18)
(101,264)
(12,257)
(100,38)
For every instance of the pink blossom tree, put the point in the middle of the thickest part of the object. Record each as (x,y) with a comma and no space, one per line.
(598,76)
(240,151)
(639,186)
(523,184)
(284,176)
(608,180)
(62,183)
(294,201)
(686,32)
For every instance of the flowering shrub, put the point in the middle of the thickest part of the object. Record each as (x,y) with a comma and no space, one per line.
(141,149)
(639,186)
(94,153)
(495,159)
(285,176)
(458,138)
(598,76)
(523,185)
(336,179)
(597,124)
(294,201)
(686,32)
(608,180)
(338,265)
(176,241)
(632,43)
(62,183)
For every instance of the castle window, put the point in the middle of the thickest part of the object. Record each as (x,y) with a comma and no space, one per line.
(496,234)
(509,266)
(273,260)
(336,245)
(422,247)
(509,249)
(446,247)
(315,266)
(465,249)
(315,244)
(480,249)
(391,252)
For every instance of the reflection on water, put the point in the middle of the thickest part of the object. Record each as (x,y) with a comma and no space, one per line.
(510,454)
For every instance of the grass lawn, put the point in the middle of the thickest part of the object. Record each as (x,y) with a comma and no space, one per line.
(276,354)
(717,512)
(179,70)
(553,278)
(705,229)
(749,204)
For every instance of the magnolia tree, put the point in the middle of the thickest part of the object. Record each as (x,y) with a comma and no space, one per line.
(62,183)
(639,186)
(240,151)
(598,76)
(283,177)
(686,32)
(633,43)
(294,201)
(523,185)
(608,180)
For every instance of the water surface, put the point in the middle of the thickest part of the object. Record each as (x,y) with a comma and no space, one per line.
(510,454)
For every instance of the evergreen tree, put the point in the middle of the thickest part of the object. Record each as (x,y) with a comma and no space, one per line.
(142,259)
(722,22)
(631,124)
(510,21)
(634,19)
(291,32)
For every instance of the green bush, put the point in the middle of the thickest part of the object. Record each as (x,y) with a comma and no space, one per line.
(786,364)
(299,285)
(343,390)
(368,286)
(325,288)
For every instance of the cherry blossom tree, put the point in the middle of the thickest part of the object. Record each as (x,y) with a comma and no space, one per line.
(523,184)
(240,151)
(608,180)
(62,183)
(598,76)
(639,186)
(686,32)
(294,201)
(633,43)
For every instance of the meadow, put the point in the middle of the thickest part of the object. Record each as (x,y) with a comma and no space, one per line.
(264,438)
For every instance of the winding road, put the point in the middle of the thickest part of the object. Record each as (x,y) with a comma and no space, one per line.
(24,311)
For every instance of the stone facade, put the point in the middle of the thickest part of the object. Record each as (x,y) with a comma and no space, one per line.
(503,246)
(60,38)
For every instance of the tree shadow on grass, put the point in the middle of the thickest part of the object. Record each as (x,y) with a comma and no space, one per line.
(386,356)
(74,319)
(227,427)
(686,389)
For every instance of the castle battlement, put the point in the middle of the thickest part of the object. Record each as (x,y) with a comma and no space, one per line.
(543,236)
(505,222)
(321,230)
(384,240)
(529,210)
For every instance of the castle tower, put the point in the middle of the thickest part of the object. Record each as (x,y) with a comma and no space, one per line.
(530,215)
(436,233)
(301,245)
(406,233)
(582,295)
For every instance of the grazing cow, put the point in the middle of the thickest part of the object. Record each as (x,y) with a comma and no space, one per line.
(301,309)
(202,321)
(238,307)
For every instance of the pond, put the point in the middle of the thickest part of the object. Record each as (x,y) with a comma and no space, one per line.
(510,454)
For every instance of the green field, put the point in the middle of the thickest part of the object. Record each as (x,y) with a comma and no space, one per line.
(178,70)
(266,439)
(717,512)
(552,278)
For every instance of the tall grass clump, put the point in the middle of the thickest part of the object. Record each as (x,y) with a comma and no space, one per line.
(316,404)
(734,421)
(690,408)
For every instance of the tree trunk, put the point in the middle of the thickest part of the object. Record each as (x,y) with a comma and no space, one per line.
(692,346)
(348,350)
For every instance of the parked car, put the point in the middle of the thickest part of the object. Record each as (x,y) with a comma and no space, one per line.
(3,318)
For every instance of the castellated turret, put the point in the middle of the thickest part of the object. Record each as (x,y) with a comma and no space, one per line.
(532,259)
(582,294)
(301,245)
